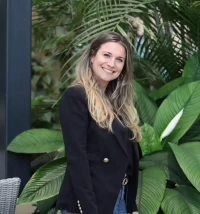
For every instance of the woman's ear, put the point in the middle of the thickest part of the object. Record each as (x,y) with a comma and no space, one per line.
(91,60)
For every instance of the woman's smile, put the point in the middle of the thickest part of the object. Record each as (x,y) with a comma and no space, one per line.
(111,59)
(108,70)
(99,124)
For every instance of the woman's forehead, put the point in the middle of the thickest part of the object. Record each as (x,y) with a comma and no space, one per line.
(114,48)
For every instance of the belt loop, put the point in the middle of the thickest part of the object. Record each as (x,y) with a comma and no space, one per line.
(125,181)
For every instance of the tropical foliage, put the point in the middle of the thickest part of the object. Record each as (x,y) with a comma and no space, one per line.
(164,35)
(169,176)
(164,147)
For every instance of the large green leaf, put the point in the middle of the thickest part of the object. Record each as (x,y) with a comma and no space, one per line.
(45,183)
(168,88)
(61,154)
(182,200)
(185,97)
(151,190)
(191,195)
(42,160)
(150,140)
(193,134)
(192,68)
(188,157)
(146,107)
(45,205)
(166,161)
(37,141)
(193,148)
(52,211)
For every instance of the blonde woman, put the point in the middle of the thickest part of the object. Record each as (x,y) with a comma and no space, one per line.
(101,133)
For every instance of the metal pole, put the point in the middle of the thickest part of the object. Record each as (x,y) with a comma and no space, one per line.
(15,84)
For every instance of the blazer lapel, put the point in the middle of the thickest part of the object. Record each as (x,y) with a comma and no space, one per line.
(121,134)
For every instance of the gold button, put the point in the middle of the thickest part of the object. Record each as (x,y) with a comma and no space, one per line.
(78,202)
(105,160)
(81,211)
(79,205)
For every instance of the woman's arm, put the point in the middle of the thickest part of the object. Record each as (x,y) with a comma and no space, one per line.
(132,190)
(133,180)
(74,117)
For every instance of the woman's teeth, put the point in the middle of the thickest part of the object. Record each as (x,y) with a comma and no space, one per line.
(108,71)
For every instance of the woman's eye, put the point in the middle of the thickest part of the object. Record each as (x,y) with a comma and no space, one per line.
(120,60)
(106,55)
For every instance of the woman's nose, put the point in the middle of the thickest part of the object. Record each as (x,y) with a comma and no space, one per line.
(111,63)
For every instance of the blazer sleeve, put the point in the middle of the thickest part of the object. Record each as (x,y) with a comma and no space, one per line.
(74,118)
(133,180)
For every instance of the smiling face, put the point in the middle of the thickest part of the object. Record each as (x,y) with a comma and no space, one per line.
(108,62)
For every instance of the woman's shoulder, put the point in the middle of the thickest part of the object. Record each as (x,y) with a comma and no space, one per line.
(73,99)
(75,91)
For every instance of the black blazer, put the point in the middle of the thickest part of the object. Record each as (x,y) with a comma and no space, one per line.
(97,160)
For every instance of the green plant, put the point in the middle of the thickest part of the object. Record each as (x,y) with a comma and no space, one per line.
(164,34)
(177,114)
(52,23)
(169,177)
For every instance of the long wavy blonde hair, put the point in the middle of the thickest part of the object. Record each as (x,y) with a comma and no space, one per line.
(117,100)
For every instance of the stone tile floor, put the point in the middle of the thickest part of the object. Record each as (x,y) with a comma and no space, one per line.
(24,209)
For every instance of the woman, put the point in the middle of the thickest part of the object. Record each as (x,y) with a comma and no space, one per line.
(100,128)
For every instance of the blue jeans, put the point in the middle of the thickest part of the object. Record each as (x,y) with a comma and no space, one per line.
(120,206)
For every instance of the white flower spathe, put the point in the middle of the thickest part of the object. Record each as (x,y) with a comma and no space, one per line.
(171,125)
